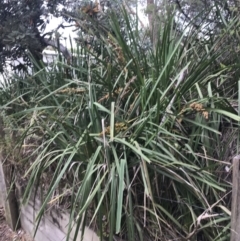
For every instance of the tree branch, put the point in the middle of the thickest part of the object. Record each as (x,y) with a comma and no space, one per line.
(130,11)
(185,14)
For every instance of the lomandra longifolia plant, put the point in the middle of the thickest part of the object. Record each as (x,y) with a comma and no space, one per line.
(126,137)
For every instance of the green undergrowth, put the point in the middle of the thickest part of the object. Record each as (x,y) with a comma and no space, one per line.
(129,140)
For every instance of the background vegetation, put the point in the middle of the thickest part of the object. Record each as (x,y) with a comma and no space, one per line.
(134,132)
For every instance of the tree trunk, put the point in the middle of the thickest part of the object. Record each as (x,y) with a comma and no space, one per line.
(154,24)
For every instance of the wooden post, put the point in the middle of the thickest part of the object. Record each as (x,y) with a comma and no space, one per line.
(235,210)
(7,194)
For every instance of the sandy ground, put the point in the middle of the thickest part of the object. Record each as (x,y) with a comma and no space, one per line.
(7,234)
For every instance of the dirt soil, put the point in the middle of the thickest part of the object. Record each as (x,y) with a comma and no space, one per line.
(7,234)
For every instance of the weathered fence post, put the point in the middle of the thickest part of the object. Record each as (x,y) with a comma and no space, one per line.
(7,195)
(235,210)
